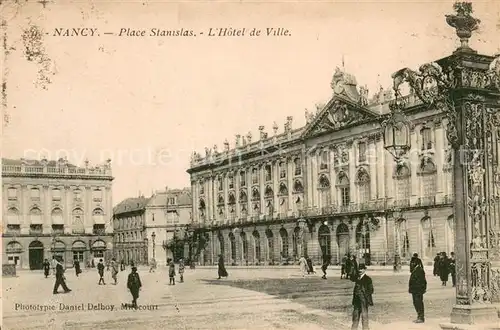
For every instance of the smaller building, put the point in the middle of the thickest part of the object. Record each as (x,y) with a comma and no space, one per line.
(129,235)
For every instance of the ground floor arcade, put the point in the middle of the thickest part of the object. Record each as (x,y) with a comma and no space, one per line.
(373,238)
(29,252)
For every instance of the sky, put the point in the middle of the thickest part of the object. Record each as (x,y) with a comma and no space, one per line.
(148,102)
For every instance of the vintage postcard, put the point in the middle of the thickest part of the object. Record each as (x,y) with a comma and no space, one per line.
(250,164)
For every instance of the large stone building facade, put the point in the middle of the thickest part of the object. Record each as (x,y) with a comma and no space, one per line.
(55,208)
(143,227)
(329,188)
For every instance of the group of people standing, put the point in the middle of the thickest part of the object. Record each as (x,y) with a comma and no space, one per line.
(444,266)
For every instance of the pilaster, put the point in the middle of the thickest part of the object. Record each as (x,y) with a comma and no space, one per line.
(372,166)
(413,164)
(439,148)
(352,173)
(383,163)
(309,184)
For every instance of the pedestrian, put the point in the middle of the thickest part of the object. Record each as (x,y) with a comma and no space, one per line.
(324,266)
(46,268)
(444,268)
(152,265)
(453,271)
(310,266)
(221,269)
(171,271)
(417,286)
(303,266)
(181,270)
(122,265)
(361,298)
(435,268)
(134,285)
(60,279)
(53,265)
(100,270)
(343,267)
(413,260)
(353,268)
(114,270)
(78,270)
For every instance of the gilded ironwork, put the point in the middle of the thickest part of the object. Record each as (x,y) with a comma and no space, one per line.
(464,24)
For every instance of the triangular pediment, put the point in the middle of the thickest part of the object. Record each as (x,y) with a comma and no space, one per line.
(336,115)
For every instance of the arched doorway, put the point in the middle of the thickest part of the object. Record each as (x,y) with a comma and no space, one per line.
(98,248)
(36,255)
(342,234)
(325,240)
(58,250)
(363,242)
(256,240)
(78,250)
(270,245)
(14,251)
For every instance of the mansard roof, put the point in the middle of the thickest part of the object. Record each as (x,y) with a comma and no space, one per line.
(131,205)
(339,113)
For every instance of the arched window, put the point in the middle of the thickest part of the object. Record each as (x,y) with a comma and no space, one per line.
(344,188)
(325,241)
(13,216)
(428,241)
(324,182)
(244,245)
(231,199)
(298,187)
(57,216)
(98,216)
(77,221)
(255,194)
(284,243)
(403,240)
(363,180)
(36,216)
(283,189)
(403,185)
(220,200)
(256,239)
(243,197)
(363,238)
(232,240)
(342,233)
(269,192)
(428,172)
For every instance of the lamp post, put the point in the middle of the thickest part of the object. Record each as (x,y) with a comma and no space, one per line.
(465,87)
(153,237)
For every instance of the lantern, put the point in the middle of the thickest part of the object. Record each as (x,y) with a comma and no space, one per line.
(397,132)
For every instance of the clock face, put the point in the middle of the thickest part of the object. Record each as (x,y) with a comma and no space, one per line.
(339,87)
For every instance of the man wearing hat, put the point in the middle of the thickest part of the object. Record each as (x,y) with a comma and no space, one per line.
(134,285)
(361,298)
(417,286)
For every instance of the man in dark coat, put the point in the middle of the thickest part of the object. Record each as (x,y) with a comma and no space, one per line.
(134,285)
(222,269)
(46,268)
(444,268)
(60,280)
(100,270)
(343,269)
(453,270)
(78,270)
(435,270)
(324,266)
(417,286)
(353,269)
(413,261)
(361,298)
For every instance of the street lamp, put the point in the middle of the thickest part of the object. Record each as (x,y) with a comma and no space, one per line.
(153,236)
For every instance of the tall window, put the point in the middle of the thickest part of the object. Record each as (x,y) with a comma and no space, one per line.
(344,189)
(97,195)
(325,243)
(426,134)
(244,244)
(243,179)
(231,181)
(402,183)
(256,239)
(270,244)
(12,193)
(56,194)
(284,243)
(202,188)
(232,241)
(428,241)
(297,166)
(255,176)
(282,168)
(35,194)
(428,171)
(268,173)
(296,242)
(363,186)
(362,151)
(77,193)
(220,183)
(402,238)
(324,159)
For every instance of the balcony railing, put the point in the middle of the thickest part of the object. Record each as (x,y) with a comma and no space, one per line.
(98,231)
(31,169)
(36,231)
(427,201)
(78,231)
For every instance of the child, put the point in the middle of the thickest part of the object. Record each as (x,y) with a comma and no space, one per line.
(134,285)
(171,272)
(181,270)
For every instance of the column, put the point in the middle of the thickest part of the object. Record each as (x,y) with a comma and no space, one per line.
(308,184)
(249,192)
(67,200)
(225,187)
(88,223)
(314,181)
(439,147)
(333,178)
(276,181)
(237,187)
(290,178)
(413,164)
(45,202)
(108,211)
(384,166)
(352,173)
(262,187)
(372,165)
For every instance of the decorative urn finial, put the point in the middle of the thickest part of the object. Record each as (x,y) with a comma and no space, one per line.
(464,24)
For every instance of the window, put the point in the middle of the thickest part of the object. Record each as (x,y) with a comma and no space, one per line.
(97,195)
(202,188)
(362,151)
(298,166)
(98,254)
(256,238)
(171,201)
(98,229)
(296,242)
(35,194)
(243,179)
(56,194)
(268,173)
(231,181)
(220,183)
(282,168)
(284,243)
(78,255)
(363,186)
(78,195)
(244,245)
(402,183)
(255,176)
(426,135)
(12,193)
(36,229)
(58,229)
(345,193)
(429,185)
(324,160)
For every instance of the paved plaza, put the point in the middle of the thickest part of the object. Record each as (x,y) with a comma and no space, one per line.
(274,298)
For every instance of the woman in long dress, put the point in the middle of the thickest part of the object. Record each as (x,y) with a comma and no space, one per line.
(222,269)
(303,265)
